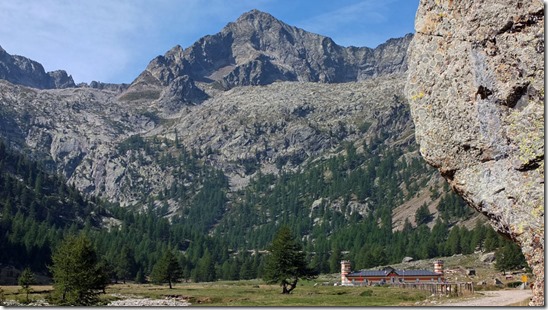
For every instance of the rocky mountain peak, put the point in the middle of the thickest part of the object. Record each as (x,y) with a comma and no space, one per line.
(24,71)
(258,49)
(256,17)
(257,23)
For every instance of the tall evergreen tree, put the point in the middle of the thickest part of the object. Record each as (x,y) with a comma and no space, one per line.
(205,269)
(26,279)
(453,245)
(140,277)
(491,240)
(286,263)
(246,270)
(167,269)
(77,272)
(423,215)
(335,259)
(509,257)
(124,264)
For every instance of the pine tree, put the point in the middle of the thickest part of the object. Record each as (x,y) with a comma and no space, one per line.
(246,272)
(140,277)
(77,273)
(167,269)
(335,259)
(491,240)
(286,263)
(509,257)
(423,215)
(478,236)
(205,269)
(407,227)
(124,264)
(453,246)
(26,279)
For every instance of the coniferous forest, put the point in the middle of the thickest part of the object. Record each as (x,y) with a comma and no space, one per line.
(39,209)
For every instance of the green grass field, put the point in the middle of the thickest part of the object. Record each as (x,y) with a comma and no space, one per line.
(252,293)
(257,293)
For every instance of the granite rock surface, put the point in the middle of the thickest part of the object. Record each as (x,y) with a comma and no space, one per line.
(476,90)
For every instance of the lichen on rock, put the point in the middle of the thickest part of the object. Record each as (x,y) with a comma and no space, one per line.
(476,90)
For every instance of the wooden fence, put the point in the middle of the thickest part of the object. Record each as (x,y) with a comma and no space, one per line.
(450,289)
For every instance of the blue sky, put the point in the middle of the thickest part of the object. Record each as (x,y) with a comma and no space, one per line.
(113,40)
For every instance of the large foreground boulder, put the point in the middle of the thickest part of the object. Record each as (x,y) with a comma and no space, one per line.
(476,90)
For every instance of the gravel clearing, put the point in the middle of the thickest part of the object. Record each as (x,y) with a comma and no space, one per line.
(147,302)
(36,303)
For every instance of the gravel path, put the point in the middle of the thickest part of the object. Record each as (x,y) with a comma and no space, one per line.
(493,299)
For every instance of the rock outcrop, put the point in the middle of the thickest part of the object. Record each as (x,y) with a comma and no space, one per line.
(107,86)
(476,90)
(27,72)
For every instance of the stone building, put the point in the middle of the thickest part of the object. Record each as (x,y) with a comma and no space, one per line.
(389,275)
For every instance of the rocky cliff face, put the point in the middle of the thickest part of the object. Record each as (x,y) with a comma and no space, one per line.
(283,125)
(476,90)
(23,71)
(66,126)
(258,49)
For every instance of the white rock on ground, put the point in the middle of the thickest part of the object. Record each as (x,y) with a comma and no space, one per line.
(147,302)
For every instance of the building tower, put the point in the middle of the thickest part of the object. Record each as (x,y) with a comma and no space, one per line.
(438,267)
(345,269)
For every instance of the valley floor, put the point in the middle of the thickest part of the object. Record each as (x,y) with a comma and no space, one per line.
(253,293)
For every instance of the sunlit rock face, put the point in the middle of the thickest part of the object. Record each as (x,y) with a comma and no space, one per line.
(476,90)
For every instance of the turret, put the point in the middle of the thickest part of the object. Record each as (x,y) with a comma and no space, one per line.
(438,267)
(345,269)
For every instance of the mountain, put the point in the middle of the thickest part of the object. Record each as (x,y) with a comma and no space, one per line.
(217,145)
(23,71)
(258,49)
(124,152)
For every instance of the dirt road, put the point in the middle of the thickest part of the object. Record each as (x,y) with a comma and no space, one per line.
(493,299)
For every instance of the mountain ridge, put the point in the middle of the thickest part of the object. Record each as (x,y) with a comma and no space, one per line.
(239,64)
(24,71)
(258,49)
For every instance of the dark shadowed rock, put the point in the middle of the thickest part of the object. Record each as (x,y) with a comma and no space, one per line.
(23,71)
(60,79)
(181,90)
(108,86)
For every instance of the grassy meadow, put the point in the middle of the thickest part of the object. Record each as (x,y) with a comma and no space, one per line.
(249,293)
(307,293)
